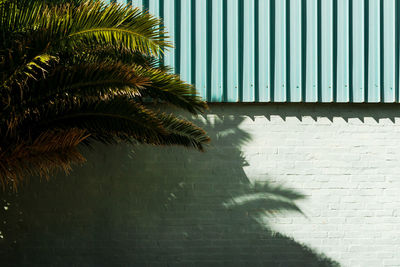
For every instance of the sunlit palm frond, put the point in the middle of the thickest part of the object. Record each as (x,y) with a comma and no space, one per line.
(172,90)
(113,55)
(86,71)
(96,81)
(91,23)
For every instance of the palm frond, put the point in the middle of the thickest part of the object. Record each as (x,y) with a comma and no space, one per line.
(172,90)
(184,132)
(91,23)
(88,81)
(119,116)
(84,82)
(113,55)
(51,150)
(117,25)
(34,69)
(16,16)
(94,82)
(73,73)
(119,119)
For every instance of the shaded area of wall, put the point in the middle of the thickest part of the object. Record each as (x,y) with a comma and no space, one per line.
(147,206)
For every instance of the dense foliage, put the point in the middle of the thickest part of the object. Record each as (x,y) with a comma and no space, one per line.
(74,73)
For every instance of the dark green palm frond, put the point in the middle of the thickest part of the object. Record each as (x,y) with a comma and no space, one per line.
(12,89)
(84,82)
(82,71)
(23,51)
(172,90)
(119,119)
(87,80)
(184,132)
(53,149)
(23,59)
(119,116)
(93,82)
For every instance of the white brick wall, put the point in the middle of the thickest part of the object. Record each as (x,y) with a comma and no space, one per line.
(176,207)
(348,169)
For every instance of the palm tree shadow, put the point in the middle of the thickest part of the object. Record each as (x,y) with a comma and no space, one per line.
(156,207)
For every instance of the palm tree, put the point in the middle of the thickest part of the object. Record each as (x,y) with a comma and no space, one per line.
(78,73)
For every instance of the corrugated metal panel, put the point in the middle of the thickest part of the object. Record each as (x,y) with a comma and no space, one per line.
(284,50)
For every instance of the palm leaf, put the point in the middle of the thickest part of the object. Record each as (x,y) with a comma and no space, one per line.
(94,82)
(51,150)
(117,116)
(184,132)
(81,72)
(91,23)
(116,120)
(171,89)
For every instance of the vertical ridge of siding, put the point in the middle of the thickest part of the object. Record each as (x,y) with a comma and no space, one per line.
(169,24)
(327,51)
(388,70)
(193,41)
(351,85)
(264,38)
(248,51)
(146,4)
(313,51)
(382,51)
(216,51)
(280,51)
(319,52)
(335,49)
(224,50)
(304,26)
(209,39)
(201,56)
(240,48)
(343,55)
(232,51)
(397,54)
(256,51)
(185,45)
(161,15)
(287,56)
(295,55)
(359,51)
(178,32)
(367,45)
(272,51)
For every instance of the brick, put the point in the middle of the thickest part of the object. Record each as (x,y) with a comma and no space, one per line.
(164,206)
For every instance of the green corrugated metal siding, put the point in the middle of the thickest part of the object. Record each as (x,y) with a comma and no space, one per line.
(284,50)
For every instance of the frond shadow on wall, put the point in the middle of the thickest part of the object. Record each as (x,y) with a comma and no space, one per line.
(148,206)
